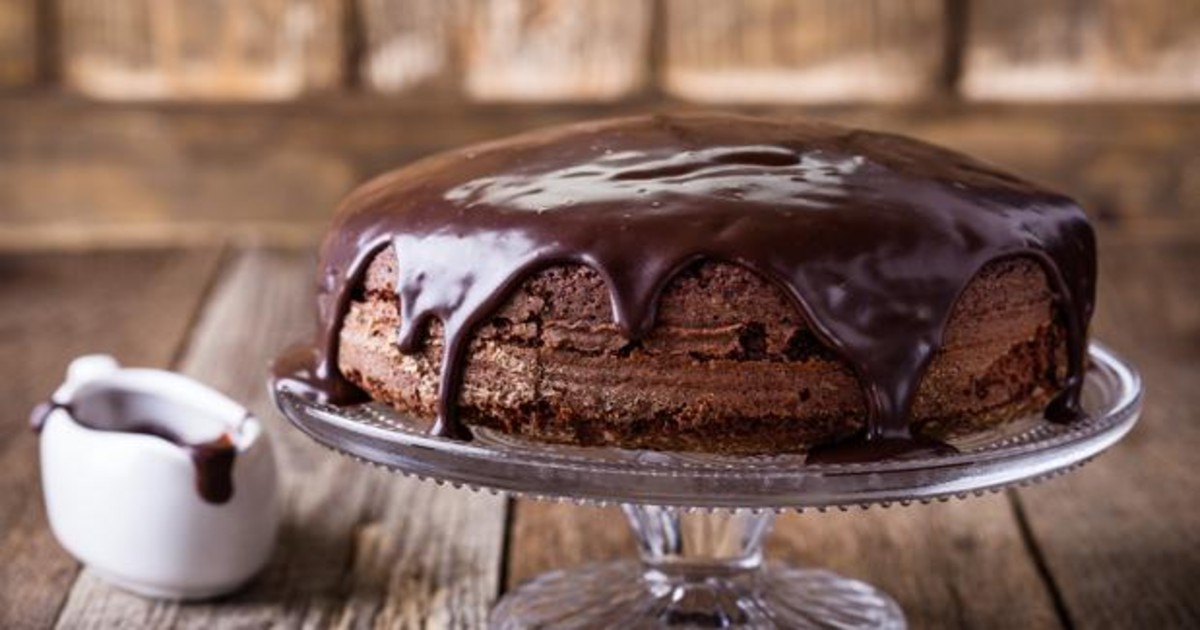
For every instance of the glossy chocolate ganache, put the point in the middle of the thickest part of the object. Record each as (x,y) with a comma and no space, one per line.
(872,236)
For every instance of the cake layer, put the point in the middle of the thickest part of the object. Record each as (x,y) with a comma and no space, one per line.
(730,365)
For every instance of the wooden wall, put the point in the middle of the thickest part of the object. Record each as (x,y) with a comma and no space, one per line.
(788,51)
(18,42)
(723,51)
(1099,49)
(206,49)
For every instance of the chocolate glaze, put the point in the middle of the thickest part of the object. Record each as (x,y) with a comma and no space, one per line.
(213,459)
(872,235)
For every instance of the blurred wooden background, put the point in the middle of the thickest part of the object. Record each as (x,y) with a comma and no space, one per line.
(190,120)
(732,51)
(177,136)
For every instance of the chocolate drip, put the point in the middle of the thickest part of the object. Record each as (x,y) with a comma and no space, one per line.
(213,460)
(41,412)
(873,236)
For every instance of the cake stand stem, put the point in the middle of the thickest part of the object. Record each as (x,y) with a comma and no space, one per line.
(677,546)
(697,570)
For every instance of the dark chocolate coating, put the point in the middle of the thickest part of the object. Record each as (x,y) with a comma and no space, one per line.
(872,235)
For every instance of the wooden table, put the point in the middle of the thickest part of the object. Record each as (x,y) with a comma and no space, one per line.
(1116,544)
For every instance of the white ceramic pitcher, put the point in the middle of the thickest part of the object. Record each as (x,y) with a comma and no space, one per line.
(125,491)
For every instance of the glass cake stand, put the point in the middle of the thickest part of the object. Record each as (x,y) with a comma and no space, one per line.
(700,520)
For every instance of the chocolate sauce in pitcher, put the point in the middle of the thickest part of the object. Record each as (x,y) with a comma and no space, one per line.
(111,410)
(874,236)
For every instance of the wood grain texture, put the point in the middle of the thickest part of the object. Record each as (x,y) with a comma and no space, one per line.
(1122,537)
(135,305)
(178,49)
(959,564)
(803,50)
(73,174)
(506,50)
(1034,50)
(18,43)
(410,46)
(359,547)
(554,50)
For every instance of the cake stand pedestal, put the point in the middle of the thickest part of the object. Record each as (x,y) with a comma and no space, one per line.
(700,520)
(697,570)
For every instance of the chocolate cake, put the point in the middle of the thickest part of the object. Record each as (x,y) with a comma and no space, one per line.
(705,282)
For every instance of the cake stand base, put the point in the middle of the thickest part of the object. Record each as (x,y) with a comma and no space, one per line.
(697,570)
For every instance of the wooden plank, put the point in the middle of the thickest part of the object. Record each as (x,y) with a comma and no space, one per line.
(554,50)
(73,174)
(18,43)
(153,49)
(1103,49)
(53,307)
(959,564)
(803,50)
(1122,536)
(409,47)
(506,50)
(359,547)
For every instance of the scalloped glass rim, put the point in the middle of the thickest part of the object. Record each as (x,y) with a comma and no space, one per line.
(1019,452)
